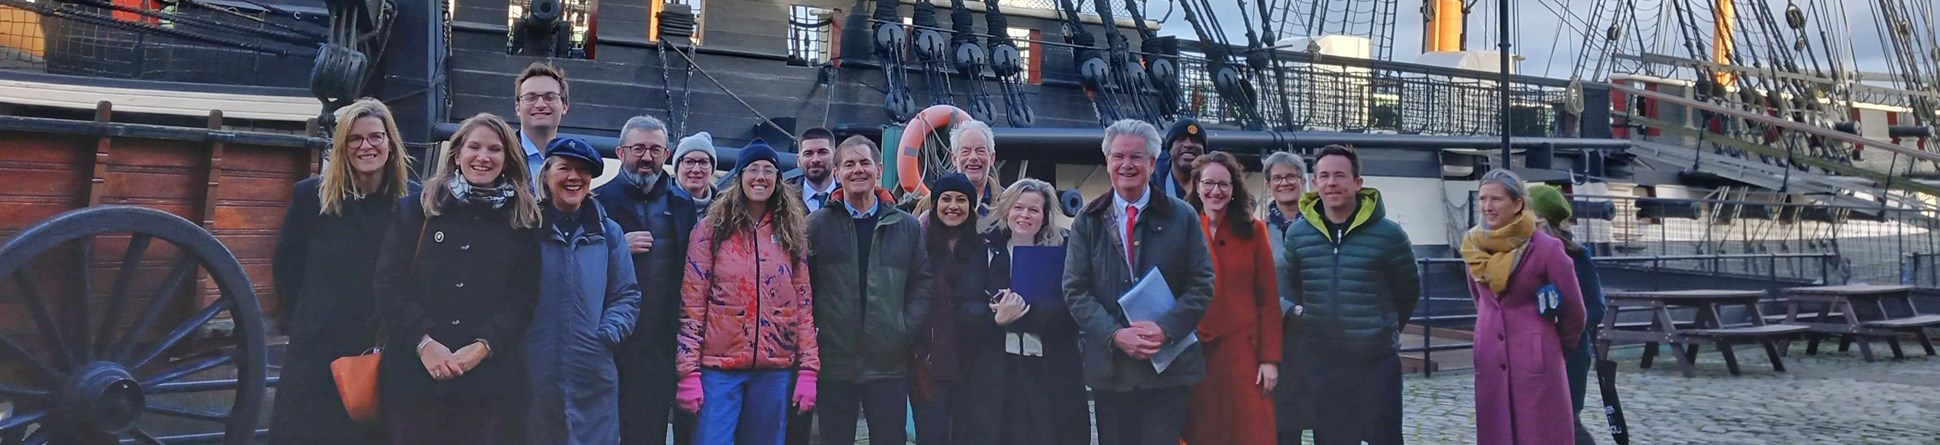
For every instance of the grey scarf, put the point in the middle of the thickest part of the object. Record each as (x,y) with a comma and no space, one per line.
(494,196)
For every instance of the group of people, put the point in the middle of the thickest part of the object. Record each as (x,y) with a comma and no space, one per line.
(517,303)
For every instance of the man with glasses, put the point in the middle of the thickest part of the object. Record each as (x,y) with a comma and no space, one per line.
(656,219)
(1120,237)
(541,104)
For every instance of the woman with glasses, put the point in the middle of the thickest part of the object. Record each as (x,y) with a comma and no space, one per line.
(1286,179)
(324,261)
(1241,329)
(694,168)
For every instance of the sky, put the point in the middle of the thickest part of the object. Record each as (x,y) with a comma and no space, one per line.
(1548,45)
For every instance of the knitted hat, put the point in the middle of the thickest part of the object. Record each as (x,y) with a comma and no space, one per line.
(757,150)
(954,182)
(701,142)
(575,148)
(1185,127)
(1549,203)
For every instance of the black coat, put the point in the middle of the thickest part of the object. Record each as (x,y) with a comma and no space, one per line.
(646,359)
(323,269)
(1052,386)
(1168,238)
(473,276)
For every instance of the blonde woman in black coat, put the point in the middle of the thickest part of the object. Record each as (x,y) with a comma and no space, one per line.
(459,277)
(325,257)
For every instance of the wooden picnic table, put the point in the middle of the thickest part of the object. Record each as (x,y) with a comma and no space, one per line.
(1861,313)
(1685,338)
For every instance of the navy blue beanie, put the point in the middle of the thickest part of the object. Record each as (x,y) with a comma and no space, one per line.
(757,150)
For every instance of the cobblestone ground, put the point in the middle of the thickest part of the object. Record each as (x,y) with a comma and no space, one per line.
(1831,398)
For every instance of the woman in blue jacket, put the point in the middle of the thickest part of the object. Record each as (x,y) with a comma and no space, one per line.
(588,301)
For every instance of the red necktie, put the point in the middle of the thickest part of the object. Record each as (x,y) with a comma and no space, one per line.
(1131,249)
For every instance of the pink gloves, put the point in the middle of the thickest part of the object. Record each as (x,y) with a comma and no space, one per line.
(688,395)
(805,391)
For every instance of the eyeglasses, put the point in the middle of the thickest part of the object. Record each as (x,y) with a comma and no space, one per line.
(1284,179)
(696,163)
(1135,157)
(374,139)
(527,98)
(1216,185)
(643,148)
(760,172)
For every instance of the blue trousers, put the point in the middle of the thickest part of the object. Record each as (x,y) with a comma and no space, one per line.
(744,407)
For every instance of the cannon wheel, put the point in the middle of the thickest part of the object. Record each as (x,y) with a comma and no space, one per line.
(115,381)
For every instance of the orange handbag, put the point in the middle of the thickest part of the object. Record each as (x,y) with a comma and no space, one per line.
(356,375)
(357,383)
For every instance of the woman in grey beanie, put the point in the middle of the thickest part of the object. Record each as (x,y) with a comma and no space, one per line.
(694,168)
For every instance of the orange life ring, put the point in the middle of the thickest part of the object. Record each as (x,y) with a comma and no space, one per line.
(909,159)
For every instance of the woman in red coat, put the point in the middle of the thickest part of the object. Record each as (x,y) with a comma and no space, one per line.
(1241,330)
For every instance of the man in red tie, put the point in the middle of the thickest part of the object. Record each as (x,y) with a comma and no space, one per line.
(1116,240)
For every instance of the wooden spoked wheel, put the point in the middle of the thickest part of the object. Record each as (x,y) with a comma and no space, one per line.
(106,315)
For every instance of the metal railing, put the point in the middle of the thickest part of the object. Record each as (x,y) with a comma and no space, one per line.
(1401,98)
(253,45)
(1426,314)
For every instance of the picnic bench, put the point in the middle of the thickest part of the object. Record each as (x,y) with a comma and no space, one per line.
(1686,337)
(1861,313)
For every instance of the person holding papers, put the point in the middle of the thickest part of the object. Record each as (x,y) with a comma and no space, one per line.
(1140,366)
(1039,387)
(1234,406)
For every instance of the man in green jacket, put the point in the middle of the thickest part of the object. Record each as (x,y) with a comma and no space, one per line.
(870,279)
(1351,274)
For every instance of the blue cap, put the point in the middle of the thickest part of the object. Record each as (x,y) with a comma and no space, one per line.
(576,148)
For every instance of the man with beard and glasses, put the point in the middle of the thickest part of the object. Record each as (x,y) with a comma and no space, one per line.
(813,156)
(1185,141)
(656,220)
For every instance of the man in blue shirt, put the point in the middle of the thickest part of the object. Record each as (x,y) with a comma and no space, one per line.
(541,103)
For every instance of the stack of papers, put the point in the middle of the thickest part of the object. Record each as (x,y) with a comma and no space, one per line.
(1148,300)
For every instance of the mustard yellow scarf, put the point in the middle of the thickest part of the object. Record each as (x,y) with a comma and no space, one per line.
(1492,254)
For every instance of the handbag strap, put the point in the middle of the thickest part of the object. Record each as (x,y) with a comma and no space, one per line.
(383,329)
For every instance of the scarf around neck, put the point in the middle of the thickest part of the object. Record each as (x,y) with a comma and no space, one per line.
(1492,254)
(494,196)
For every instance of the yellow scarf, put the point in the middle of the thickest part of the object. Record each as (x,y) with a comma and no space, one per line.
(1492,254)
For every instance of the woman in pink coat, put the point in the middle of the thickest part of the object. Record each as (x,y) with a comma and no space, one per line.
(1522,394)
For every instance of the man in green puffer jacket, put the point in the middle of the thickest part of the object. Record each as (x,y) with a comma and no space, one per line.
(1351,273)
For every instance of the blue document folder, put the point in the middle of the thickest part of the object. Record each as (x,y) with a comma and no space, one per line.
(1037,274)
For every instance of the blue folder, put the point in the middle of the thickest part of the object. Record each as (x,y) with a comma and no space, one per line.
(1037,273)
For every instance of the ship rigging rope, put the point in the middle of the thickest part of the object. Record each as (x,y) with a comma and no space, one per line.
(724,89)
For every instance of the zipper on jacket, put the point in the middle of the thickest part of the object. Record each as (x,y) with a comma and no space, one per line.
(754,358)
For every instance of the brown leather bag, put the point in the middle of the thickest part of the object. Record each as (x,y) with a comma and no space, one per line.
(356,375)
